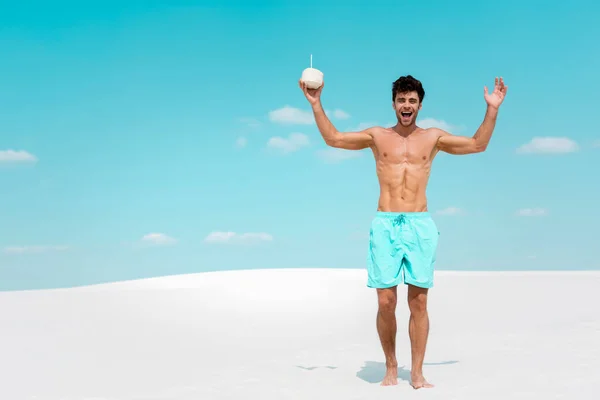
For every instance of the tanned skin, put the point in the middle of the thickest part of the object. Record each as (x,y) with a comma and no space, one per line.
(403,157)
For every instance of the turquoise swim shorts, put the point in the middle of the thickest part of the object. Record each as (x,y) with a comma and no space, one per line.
(402,248)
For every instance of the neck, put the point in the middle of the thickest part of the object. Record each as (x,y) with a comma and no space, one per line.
(404,130)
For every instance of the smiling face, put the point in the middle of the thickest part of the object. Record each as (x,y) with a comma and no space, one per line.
(407,97)
(407,106)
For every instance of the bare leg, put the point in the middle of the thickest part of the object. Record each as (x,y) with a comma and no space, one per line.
(418,330)
(386,328)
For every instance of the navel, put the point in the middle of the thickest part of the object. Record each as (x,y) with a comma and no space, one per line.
(384,154)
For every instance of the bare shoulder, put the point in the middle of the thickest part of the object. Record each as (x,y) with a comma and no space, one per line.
(375,130)
(436,132)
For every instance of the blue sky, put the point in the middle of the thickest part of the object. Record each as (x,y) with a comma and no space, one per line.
(143,139)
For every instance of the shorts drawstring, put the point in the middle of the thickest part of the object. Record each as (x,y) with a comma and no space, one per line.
(400,220)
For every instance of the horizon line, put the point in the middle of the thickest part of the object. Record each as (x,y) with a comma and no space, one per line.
(440,272)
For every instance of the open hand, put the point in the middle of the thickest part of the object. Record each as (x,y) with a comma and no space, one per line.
(495,98)
(312,95)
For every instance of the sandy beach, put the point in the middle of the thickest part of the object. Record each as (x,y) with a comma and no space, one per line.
(299,334)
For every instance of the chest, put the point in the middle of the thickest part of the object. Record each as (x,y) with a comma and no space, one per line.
(398,149)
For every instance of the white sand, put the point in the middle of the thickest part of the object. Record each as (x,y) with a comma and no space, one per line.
(300,334)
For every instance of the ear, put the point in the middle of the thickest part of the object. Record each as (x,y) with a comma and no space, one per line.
(420,106)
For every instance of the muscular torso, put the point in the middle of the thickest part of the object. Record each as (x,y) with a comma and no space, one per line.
(403,165)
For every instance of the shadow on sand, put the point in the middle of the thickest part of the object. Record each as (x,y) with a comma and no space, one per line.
(374,371)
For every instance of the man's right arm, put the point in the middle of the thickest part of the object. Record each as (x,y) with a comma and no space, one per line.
(334,138)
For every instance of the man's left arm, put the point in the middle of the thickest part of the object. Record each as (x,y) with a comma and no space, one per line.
(453,144)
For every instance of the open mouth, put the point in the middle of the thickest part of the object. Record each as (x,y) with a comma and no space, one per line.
(406,114)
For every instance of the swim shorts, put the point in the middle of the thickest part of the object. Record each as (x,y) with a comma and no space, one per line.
(402,248)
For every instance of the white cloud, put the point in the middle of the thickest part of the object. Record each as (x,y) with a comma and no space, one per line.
(294,142)
(532,212)
(291,115)
(340,114)
(548,145)
(335,155)
(9,156)
(450,211)
(219,237)
(238,238)
(158,239)
(33,249)
(436,123)
(241,142)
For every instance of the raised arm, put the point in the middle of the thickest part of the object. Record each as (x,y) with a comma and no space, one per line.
(453,144)
(341,140)
(333,137)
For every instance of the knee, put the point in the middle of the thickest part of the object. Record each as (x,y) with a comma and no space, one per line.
(418,304)
(387,303)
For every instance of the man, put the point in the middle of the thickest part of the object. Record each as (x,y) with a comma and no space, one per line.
(403,236)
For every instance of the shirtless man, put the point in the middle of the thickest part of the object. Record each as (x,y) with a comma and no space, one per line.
(403,236)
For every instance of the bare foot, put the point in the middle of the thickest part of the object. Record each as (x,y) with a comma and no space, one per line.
(391,376)
(419,382)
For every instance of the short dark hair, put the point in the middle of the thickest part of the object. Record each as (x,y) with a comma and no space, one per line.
(408,84)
